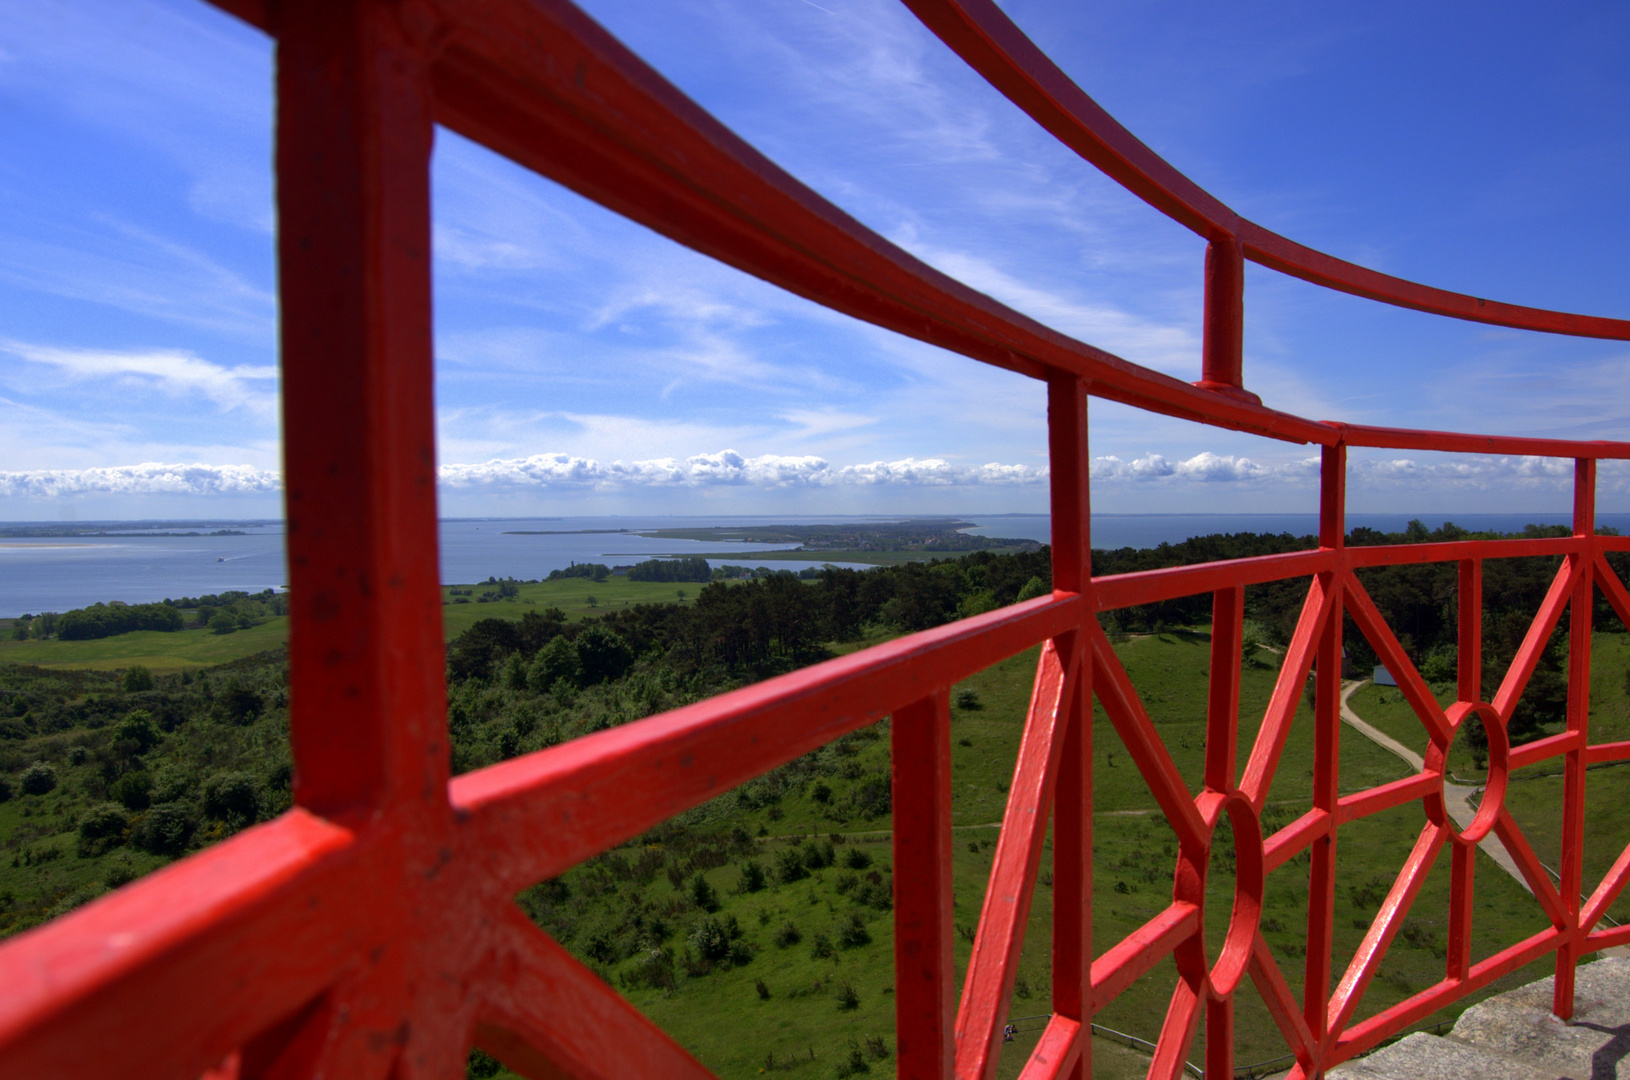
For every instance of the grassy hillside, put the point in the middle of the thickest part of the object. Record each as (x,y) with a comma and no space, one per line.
(164,652)
(718,1011)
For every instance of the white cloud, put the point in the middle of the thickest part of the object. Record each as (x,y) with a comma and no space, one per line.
(1204,468)
(729,468)
(561,473)
(150,478)
(172,371)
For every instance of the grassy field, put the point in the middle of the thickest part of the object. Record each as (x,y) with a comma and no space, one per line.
(157,650)
(190,649)
(801,1026)
(873,558)
(1535,794)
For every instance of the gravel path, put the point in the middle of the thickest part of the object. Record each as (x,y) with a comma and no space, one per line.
(1457,798)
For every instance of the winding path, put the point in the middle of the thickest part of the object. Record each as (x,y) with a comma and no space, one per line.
(1457,798)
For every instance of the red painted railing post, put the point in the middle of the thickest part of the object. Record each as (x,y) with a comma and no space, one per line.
(354,131)
(1223,332)
(1072,797)
(1580,607)
(1326,751)
(1222,741)
(1469,676)
(924,975)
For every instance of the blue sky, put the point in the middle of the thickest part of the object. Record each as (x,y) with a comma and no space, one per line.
(586,365)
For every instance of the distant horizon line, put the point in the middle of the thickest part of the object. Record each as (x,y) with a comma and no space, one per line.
(203,521)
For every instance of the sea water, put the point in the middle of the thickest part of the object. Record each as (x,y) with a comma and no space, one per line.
(56,574)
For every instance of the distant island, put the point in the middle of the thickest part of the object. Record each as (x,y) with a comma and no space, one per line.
(48,532)
(559,532)
(912,535)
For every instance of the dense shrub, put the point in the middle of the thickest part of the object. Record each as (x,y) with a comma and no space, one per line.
(603,654)
(164,830)
(789,865)
(702,894)
(101,828)
(234,798)
(133,789)
(239,704)
(38,779)
(556,662)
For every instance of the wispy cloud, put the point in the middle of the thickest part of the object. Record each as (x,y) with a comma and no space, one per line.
(172,371)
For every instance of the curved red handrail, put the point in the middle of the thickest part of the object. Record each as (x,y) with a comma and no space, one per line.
(990,42)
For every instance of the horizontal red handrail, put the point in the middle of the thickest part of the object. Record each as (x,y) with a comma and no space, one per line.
(991,44)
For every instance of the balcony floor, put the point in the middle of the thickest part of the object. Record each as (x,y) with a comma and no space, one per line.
(1515,1037)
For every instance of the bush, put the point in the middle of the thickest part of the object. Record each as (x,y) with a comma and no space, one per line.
(847,999)
(856,859)
(752,876)
(763,990)
(134,790)
(709,940)
(789,865)
(239,704)
(821,948)
(101,829)
(138,727)
(603,654)
(164,830)
(872,797)
(853,934)
(787,935)
(703,894)
(555,662)
(481,1066)
(234,798)
(122,872)
(851,1062)
(137,678)
(819,856)
(655,970)
(5,789)
(38,779)
(968,698)
(223,622)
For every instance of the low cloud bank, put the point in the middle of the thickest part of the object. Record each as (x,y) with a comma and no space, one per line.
(147,479)
(728,468)
(564,472)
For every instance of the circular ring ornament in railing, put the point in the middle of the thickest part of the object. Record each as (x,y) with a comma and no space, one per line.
(1499,771)
(1189,886)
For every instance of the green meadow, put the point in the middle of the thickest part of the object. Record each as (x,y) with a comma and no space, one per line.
(163,652)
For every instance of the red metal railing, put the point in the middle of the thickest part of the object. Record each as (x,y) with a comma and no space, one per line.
(371,931)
